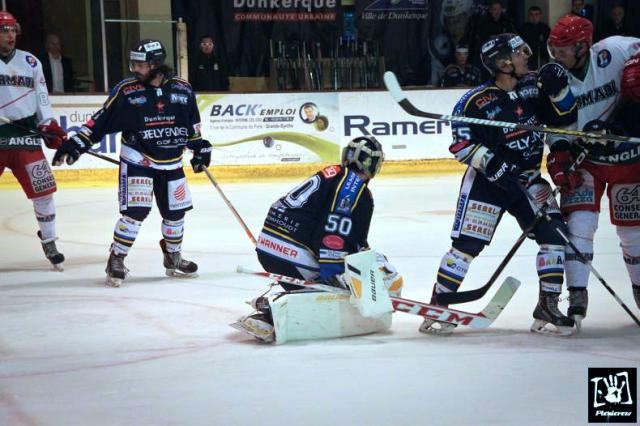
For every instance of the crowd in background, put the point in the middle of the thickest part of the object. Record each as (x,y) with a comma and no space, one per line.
(440,50)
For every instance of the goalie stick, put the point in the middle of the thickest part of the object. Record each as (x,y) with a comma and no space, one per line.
(482,319)
(391,82)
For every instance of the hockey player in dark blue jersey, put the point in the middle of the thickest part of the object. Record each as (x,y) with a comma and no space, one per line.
(502,164)
(309,231)
(158,117)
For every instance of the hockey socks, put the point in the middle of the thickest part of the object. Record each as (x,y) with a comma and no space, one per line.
(45,211)
(172,233)
(453,268)
(124,235)
(550,267)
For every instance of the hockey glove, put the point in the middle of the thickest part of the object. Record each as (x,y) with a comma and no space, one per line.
(552,79)
(558,164)
(503,174)
(71,150)
(201,154)
(52,134)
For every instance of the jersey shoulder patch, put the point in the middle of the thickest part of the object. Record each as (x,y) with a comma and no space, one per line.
(331,171)
(348,193)
(477,99)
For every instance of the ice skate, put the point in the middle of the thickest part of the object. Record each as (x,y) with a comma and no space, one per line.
(578,301)
(438,328)
(176,266)
(547,313)
(116,271)
(257,325)
(52,254)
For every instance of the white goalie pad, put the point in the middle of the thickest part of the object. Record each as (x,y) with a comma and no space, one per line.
(320,315)
(366,282)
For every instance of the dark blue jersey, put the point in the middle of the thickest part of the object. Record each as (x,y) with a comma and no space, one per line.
(156,122)
(475,145)
(328,214)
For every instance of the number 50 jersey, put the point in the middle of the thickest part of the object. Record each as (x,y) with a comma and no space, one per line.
(320,221)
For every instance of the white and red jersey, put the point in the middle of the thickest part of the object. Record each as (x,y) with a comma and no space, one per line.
(23,98)
(23,88)
(598,93)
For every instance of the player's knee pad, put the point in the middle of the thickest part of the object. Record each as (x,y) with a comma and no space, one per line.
(138,214)
(173,215)
(44,206)
(393,281)
(468,247)
(630,241)
(546,232)
(582,224)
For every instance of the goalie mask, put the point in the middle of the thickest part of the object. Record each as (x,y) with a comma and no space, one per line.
(364,154)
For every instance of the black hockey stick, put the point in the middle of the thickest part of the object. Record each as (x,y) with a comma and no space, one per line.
(37,132)
(584,260)
(471,295)
(400,97)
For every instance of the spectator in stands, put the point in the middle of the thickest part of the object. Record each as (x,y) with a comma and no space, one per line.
(208,73)
(495,22)
(615,24)
(461,73)
(535,33)
(57,69)
(579,8)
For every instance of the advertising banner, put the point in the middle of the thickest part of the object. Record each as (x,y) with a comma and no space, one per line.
(402,136)
(271,128)
(279,128)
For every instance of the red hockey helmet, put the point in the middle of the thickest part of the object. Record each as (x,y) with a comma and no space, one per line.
(7,20)
(571,30)
(630,81)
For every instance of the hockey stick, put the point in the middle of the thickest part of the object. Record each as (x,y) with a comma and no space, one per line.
(400,97)
(471,295)
(482,319)
(37,132)
(586,261)
(228,203)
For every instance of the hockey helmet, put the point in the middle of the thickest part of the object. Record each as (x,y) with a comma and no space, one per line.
(150,51)
(570,31)
(501,47)
(363,153)
(8,21)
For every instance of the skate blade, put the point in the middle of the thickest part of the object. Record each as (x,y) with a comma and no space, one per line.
(113,282)
(578,319)
(177,274)
(260,335)
(540,327)
(437,328)
(57,267)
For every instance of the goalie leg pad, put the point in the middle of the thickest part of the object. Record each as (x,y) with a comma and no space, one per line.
(319,315)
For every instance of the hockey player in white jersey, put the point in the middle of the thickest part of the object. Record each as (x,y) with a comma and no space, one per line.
(600,78)
(26,111)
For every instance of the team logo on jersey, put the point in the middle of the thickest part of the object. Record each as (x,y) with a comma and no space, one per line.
(485,100)
(160,106)
(31,61)
(603,58)
(179,99)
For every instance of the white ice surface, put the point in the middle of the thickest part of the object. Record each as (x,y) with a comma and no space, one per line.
(159,350)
